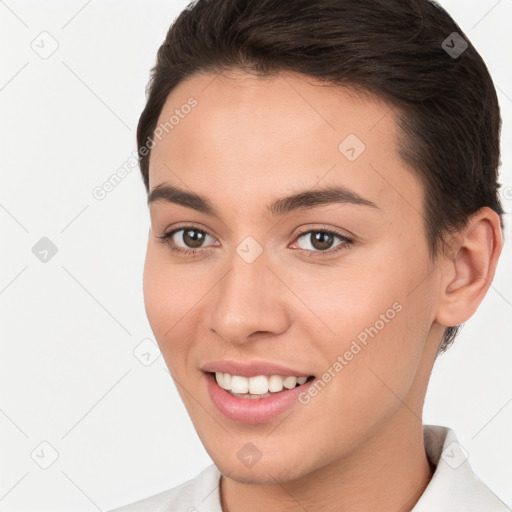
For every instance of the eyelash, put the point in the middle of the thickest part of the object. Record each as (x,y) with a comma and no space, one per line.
(166,239)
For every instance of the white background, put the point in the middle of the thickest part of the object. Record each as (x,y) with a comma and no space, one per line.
(68,374)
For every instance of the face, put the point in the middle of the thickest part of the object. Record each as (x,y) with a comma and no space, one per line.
(321,286)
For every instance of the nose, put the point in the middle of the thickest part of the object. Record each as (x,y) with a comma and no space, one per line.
(249,302)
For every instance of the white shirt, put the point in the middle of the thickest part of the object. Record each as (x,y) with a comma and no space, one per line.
(453,488)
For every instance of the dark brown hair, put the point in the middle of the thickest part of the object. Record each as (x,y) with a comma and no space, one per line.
(445,104)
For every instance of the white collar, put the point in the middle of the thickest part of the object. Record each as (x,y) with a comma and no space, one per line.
(454,487)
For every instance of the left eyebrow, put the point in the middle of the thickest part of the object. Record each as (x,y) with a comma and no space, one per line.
(299,201)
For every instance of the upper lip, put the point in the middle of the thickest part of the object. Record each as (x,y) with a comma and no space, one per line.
(251,368)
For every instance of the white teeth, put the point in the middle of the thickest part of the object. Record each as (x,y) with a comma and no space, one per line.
(239,384)
(258,385)
(275,383)
(290,382)
(226,381)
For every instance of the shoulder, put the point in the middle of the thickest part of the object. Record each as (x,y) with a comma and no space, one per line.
(454,486)
(200,494)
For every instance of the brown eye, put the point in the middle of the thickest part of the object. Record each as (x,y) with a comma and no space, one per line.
(321,241)
(193,238)
(189,240)
(186,240)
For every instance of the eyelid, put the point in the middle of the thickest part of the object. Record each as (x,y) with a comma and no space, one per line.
(342,233)
(168,234)
(346,239)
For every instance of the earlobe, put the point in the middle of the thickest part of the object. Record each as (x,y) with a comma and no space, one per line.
(468,274)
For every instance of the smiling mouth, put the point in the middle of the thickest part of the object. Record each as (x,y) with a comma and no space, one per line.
(260,386)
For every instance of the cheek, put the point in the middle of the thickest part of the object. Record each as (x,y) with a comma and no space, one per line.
(345,302)
(372,325)
(156,292)
(169,299)
(392,335)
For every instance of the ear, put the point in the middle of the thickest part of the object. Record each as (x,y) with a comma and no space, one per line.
(468,270)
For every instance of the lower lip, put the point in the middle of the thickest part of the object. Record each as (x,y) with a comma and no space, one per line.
(252,410)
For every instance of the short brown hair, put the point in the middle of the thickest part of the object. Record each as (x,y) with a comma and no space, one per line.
(446,104)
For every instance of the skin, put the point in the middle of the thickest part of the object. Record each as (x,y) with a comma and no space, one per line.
(358,444)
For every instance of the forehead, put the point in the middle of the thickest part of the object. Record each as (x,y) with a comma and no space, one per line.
(267,133)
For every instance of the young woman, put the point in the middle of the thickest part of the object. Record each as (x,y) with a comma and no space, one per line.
(322,186)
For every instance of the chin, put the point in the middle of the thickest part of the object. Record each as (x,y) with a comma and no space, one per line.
(263,472)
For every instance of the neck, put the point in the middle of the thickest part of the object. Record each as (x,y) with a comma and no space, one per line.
(388,473)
